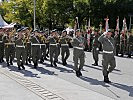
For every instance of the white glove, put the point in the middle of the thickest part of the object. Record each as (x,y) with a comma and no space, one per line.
(104,33)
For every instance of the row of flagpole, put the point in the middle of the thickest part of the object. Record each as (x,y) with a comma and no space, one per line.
(124,28)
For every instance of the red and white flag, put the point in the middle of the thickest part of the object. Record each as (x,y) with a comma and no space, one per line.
(106,24)
(124,25)
(76,26)
(117,25)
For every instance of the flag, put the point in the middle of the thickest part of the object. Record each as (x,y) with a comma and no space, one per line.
(117,25)
(124,25)
(106,24)
(76,26)
(100,27)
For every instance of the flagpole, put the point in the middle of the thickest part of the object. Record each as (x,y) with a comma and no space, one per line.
(118,25)
(34,14)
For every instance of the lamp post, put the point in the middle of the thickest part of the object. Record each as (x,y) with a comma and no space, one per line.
(34,14)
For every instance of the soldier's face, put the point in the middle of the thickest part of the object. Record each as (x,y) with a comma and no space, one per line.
(109,34)
(78,33)
(64,34)
(116,32)
(95,33)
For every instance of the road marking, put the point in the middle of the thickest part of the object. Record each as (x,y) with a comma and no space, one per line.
(33,87)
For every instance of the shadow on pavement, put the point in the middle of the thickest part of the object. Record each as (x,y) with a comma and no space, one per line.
(124,87)
(42,70)
(60,68)
(63,69)
(24,72)
(45,71)
(94,81)
(101,69)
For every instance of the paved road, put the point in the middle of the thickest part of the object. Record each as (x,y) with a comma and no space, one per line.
(62,83)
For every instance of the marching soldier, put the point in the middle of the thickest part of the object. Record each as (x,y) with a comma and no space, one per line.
(78,52)
(53,48)
(27,45)
(117,42)
(58,44)
(20,50)
(1,47)
(130,44)
(95,47)
(108,54)
(64,47)
(9,43)
(47,43)
(35,48)
(43,47)
(123,42)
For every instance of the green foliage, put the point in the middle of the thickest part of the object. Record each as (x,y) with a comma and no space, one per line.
(53,13)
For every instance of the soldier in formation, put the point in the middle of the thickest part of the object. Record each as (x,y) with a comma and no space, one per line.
(108,54)
(64,40)
(95,47)
(20,50)
(78,52)
(9,44)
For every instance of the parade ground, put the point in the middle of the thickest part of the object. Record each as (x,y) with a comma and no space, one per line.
(61,83)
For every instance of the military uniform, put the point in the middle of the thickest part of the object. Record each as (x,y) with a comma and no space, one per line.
(9,44)
(78,54)
(58,46)
(108,56)
(28,50)
(64,48)
(20,53)
(36,50)
(53,48)
(117,44)
(47,47)
(43,48)
(1,48)
(123,44)
(130,45)
(95,49)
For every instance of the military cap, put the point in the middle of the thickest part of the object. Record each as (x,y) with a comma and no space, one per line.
(46,30)
(78,30)
(53,31)
(19,30)
(64,31)
(96,30)
(24,28)
(109,30)
(36,30)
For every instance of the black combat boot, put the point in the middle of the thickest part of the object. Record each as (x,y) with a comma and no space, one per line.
(26,63)
(51,64)
(106,79)
(2,60)
(95,64)
(63,62)
(45,58)
(19,67)
(8,63)
(77,74)
(29,60)
(22,66)
(80,74)
(11,62)
(55,64)
(35,65)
